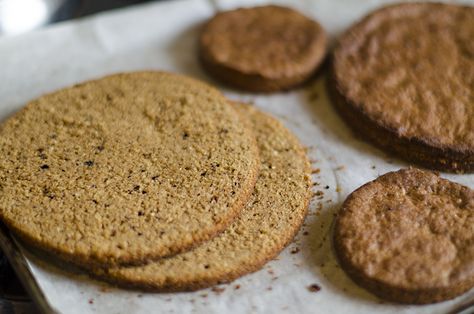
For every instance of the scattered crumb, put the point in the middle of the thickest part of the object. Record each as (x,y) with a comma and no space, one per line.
(203,295)
(317,170)
(237,287)
(373,167)
(275,278)
(338,189)
(295,250)
(91,301)
(326,187)
(139,296)
(314,288)
(105,289)
(340,168)
(218,290)
(271,272)
(269,288)
(318,194)
(305,233)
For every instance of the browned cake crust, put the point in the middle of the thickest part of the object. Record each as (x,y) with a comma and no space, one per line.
(262,49)
(402,78)
(408,237)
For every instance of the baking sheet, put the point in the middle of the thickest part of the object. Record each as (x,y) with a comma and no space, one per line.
(163,36)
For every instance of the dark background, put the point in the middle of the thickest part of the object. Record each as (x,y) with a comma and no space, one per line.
(77,8)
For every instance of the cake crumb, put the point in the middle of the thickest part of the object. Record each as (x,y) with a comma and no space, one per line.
(217,290)
(104,289)
(314,288)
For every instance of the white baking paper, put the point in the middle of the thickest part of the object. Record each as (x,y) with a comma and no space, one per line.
(162,35)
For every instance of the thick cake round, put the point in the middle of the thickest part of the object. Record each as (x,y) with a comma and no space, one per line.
(408,237)
(262,49)
(403,78)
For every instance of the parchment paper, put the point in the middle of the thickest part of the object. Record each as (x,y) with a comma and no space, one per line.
(162,36)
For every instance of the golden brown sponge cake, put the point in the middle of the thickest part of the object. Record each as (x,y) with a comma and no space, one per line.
(272,217)
(125,169)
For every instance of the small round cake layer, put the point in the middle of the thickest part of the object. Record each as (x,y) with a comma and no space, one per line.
(271,219)
(262,49)
(125,169)
(408,237)
(403,78)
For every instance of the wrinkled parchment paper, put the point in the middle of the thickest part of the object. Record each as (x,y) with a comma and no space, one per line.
(162,35)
